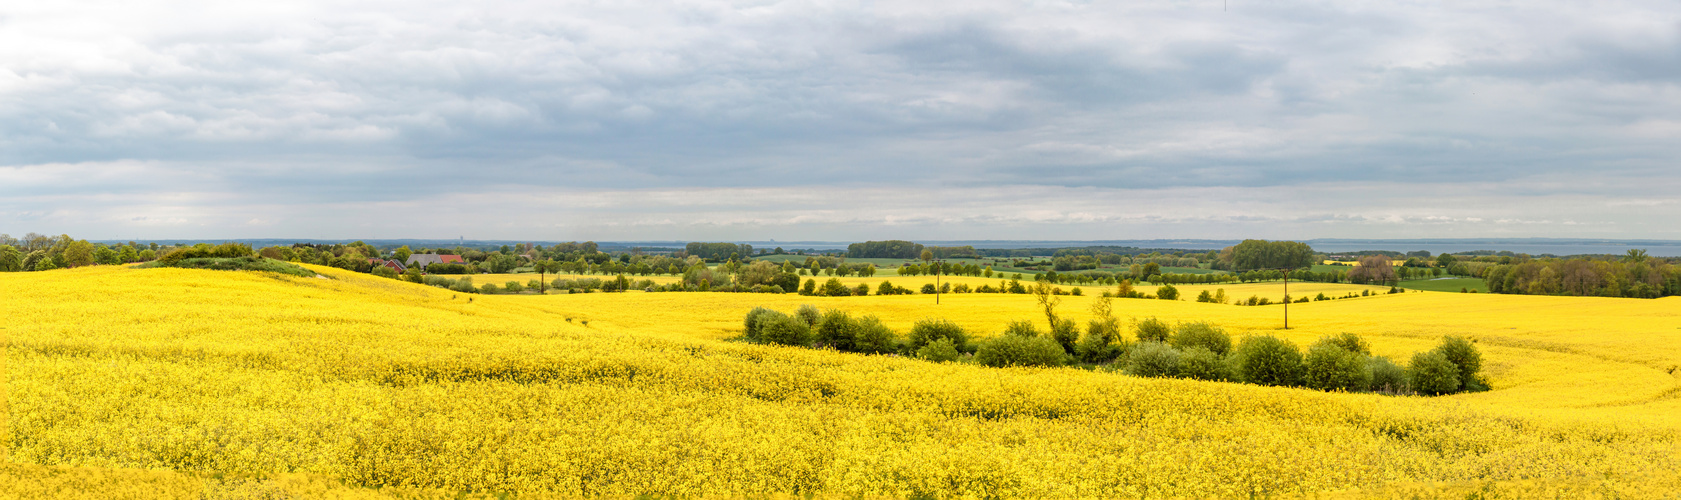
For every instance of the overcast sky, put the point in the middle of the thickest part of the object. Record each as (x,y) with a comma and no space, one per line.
(813,120)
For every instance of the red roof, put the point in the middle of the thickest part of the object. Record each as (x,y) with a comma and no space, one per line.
(452,259)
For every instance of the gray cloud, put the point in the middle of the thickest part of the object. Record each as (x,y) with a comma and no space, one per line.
(266,112)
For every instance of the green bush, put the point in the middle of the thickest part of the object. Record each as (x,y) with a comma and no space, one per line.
(1432,373)
(1387,376)
(511,286)
(751,322)
(928,330)
(1350,342)
(809,314)
(1102,342)
(834,288)
(886,288)
(1463,354)
(784,330)
(836,330)
(234,264)
(1021,328)
(1066,333)
(1330,367)
(1202,334)
(929,289)
(384,272)
(1199,363)
(1153,330)
(489,289)
(941,350)
(1012,350)
(872,337)
(1167,292)
(1153,359)
(1268,360)
(810,287)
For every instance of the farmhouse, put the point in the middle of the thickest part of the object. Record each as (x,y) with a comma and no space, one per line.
(422,260)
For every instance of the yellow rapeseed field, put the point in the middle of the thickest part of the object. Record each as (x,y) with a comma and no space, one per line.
(210,383)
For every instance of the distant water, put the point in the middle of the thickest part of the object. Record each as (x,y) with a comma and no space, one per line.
(1655,250)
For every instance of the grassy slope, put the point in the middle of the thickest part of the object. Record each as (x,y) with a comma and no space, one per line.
(377,382)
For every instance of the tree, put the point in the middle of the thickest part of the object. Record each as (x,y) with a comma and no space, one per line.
(1048,300)
(1280,255)
(543,268)
(11,260)
(1263,254)
(1373,268)
(78,254)
(1635,255)
(402,254)
(927,259)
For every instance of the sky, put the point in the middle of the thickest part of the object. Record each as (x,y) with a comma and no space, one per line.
(840,121)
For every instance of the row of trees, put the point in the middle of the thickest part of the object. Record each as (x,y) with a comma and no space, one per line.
(1196,350)
(890,249)
(35,252)
(1636,276)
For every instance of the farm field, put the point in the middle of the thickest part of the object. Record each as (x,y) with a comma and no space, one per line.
(246,383)
(1272,290)
(1446,284)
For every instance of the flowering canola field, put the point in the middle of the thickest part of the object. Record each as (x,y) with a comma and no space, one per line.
(205,383)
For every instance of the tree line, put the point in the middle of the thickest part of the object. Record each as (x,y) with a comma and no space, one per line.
(1195,350)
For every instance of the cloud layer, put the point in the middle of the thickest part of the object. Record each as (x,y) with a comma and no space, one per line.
(841,120)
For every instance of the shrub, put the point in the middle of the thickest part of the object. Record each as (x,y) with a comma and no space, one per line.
(834,288)
(1463,354)
(929,330)
(1065,333)
(861,290)
(226,264)
(785,330)
(1102,342)
(751,322)
(808,313)
(810,287)
(1167,292)
(928,288)
(886,288)
(1330,367)
(1021,328)
(1153,330)
(942,350)
(871,337)
(489,289)
(1200,363)
(1268,360)
(1012,350)
(836,330)
(1433,373)
(1205,296)
(1386,376)
(513,287)
(384,272)
(1202,334)
(1153,359)
(1350,342)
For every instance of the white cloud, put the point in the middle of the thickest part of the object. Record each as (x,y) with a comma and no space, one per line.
(1183,119)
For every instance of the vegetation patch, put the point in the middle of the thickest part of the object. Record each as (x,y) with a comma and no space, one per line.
(235,264)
